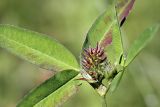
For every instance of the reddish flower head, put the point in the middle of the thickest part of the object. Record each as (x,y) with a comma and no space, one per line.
(94,61)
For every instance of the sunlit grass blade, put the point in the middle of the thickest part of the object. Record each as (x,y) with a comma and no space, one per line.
(140,43)
(53,92)
(36,48)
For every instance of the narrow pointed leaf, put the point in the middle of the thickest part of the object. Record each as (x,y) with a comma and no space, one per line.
(123,8)
(53,92)
(36,48)
(137,46)
(106,32)
(140,43)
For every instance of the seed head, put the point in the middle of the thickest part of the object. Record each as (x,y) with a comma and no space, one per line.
(94,62)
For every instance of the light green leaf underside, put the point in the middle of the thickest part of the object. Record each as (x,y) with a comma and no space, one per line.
(36,48)
(106,26)
(54,91)
(140,43)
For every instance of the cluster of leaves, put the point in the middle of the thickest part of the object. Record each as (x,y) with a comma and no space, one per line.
(47,53)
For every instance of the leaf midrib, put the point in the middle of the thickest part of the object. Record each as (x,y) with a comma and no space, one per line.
(38,51)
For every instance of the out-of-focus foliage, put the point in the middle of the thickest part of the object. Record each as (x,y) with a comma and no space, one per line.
(68,21)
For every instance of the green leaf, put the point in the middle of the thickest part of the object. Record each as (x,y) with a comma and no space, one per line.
(123,8)
(137,46)
(106,32)
(116,81)
(140,43)
(36,48)
(54,91)
(110,2)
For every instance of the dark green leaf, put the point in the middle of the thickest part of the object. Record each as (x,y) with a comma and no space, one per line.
(53,92)
(36,48)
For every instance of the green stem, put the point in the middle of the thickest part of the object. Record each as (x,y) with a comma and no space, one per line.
(104,104)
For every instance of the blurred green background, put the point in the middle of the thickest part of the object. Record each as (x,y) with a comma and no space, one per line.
(68,21)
